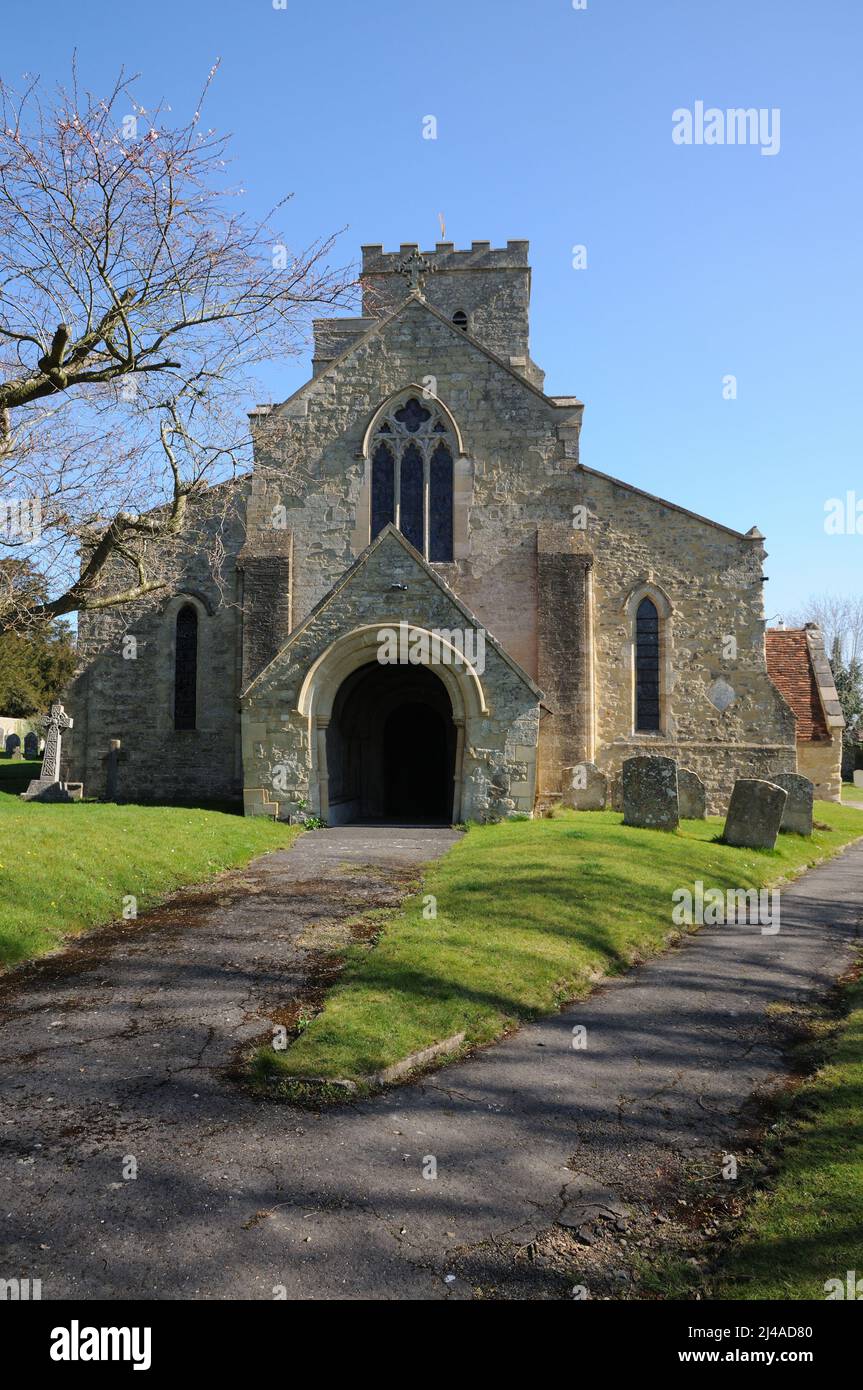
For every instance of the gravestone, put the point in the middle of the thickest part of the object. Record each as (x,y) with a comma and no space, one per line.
(13,743)
(797,815)
(588,789)
(31,745)
(48,787)
(692,796)
(650,797)
(754,813)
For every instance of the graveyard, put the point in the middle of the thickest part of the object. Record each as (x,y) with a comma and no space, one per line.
(529,914)
(517,922)
(588,893)
(431,832)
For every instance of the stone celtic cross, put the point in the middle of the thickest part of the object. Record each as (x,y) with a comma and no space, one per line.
(415,268)
(53,724)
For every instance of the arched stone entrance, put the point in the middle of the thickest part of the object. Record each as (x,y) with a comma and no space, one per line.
(391,746)
(452,690)
(390,718)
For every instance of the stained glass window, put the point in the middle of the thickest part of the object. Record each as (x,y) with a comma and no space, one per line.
(383,482)
(412,478)
(186,668)
(412,415)
(411,510)
(440,504)
(647,667)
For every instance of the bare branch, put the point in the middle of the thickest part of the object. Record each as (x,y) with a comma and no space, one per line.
(135,299)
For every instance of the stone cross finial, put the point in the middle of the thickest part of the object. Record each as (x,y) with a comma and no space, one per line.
(53,724)
(415,268)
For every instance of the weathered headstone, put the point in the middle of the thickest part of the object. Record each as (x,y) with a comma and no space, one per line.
(754,814)
(650,796)
(31,745)
(797,815)
(692,796)
(13,743)
(48,787)
(588,788)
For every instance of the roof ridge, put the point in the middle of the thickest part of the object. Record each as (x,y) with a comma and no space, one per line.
(664,502)
(414,298)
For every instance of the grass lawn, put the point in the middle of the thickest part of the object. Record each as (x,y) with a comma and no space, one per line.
(808,1227)
(851,793)
(529,913)
(64,869)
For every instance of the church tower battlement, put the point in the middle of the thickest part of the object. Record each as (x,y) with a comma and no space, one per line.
(484,290)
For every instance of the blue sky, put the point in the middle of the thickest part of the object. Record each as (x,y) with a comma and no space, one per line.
(555,124)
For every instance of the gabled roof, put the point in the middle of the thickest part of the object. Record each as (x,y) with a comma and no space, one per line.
(796,664)
(752,535)
(410,301)
(389,535)
(562,405)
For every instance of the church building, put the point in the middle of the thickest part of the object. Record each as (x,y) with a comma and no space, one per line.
(421,604)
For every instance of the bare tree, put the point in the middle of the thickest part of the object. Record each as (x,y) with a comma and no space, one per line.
(840,618)
(135,295)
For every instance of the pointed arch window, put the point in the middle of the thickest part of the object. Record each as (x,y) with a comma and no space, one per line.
(186,668)
(411,495)
(647,668)
(412,452)
(383,484)
(440,503)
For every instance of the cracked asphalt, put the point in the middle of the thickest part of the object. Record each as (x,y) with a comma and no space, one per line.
(116,1051)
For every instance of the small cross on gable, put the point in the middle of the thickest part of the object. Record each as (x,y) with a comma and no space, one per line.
(415,268)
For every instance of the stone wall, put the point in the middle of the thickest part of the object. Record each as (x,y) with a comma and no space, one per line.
(11,724)
(706,581)
(557,594)
(564,648)
(522,481)
(512,475)
(822,764)
(286,711)
(117,695)
(490,285)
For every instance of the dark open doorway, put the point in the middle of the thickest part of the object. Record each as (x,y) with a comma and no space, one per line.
(391,746)
(414,725)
